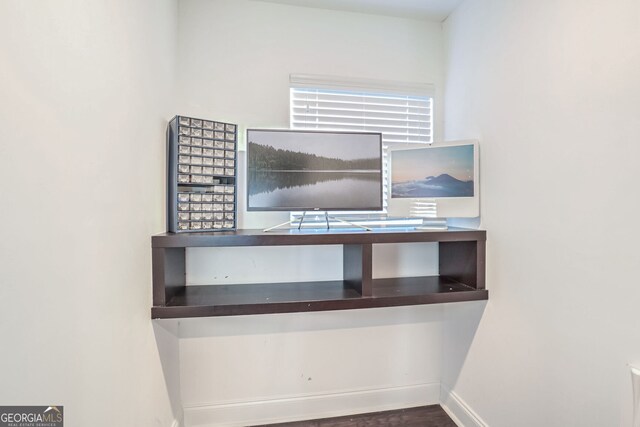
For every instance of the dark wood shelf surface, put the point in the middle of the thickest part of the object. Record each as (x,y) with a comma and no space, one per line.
(461,259)
(313,237)
(264,298)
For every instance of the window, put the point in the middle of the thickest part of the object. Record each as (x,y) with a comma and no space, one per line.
(402,112)
(402,115)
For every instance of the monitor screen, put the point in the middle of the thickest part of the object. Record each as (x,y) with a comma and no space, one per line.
(446,173)
(313,170)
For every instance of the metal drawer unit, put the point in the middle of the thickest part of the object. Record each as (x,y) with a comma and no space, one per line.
(201,173)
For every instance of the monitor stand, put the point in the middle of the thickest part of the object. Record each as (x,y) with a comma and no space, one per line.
(326,218)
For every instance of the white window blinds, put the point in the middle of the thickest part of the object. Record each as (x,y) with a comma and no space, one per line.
(402,113)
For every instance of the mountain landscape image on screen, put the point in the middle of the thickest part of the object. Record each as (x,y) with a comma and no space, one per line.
(443,185)
(433,172)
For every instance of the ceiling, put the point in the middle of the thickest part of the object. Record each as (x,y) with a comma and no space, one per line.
(432,10)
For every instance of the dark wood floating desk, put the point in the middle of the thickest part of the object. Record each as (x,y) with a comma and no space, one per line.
(461,278)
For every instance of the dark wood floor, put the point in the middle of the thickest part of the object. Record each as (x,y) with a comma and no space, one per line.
(422,416)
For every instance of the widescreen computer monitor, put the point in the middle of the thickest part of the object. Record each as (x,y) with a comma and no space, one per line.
(297,170)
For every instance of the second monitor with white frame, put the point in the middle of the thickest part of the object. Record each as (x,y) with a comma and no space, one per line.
(446,173)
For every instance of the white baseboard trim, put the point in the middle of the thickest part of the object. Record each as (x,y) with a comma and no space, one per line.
(458,410)
(311,406)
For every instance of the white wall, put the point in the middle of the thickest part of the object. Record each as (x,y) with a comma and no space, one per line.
(235,58)
(234,62)
(552,91)
(85,90)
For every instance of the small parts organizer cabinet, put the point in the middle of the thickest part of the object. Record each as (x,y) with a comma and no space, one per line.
(461,274)
(201,171)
